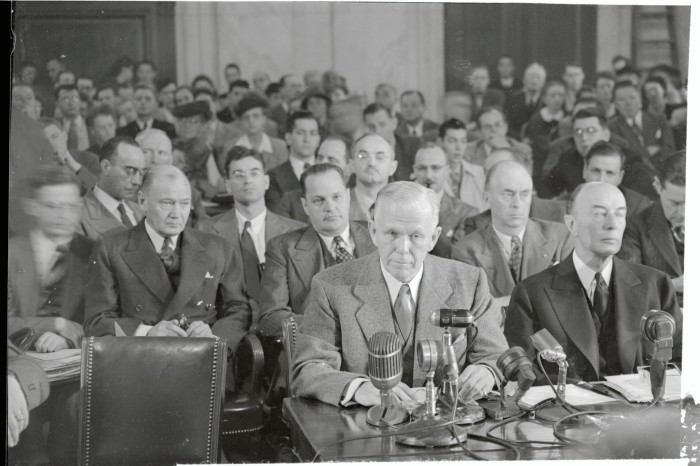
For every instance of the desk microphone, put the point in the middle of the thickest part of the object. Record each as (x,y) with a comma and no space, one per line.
(457,318)
(516,366)
(548,346)
(658,328)
(385,368)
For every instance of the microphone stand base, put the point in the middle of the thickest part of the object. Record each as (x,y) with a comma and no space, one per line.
(430,436)
(466,413)
(379,416)
(498,412)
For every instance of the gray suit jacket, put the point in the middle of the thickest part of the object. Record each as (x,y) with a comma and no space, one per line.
(291,261)
(350,303)
(544,244)
(96,222)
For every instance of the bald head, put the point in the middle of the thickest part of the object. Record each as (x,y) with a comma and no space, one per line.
(431,168)
(163,174)
(373,160)
(508,191)
(507,153)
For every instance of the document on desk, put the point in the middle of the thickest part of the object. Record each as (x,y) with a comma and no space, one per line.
(59,365)
(637,387)
(575,395)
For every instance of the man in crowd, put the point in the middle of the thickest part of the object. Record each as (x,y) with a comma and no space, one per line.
(86,88)
(592,302)
(382,121)
(573,80)
(494,135)
(523,104)
(290,88)
(345,119)
(236,91)
(146,106)
(146,73)
(68,100)
(514,246)
(373,164)
(110,206)
(387,96)
(506,82)
(603,87)
(293,259)
(414,122)
(393,290)
(482,95)
(232,72)
(102,125)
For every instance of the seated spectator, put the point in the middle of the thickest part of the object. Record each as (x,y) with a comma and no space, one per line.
(290,88)
(573,81)
(506,82)
(382,121)
(183,95)
(413,121)
(543,127)
(373,163)
(102,125)
(126,111)
(105,95)
(166,95)
(146,73)
(294,258)
(483,96)
(236,91)
(494,135)
(202,81)
(24,100)
(318,104)
(260,81)
(521,105)
(345,118)
(146,106)
(592,302)
(656,236)
(232,72)
(110,206)
(514,246)
(86,87)
(200,167)
(456,105)
(72,122)
(604,86)
(65,78)
(386,96)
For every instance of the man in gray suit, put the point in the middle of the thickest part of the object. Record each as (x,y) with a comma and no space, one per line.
(292,260)
(109,207)
(394,290)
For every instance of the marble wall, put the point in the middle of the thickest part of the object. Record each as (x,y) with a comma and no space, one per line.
(401,43)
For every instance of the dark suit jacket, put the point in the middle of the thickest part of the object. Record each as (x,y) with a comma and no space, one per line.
(648,240)
(655,131)
(452,213)
(97,222)
(132,129)
(555,299)
(282,180)
(544,244)
(291,261)
(128,285)
(428,125)
(23,300)
(492,98)
(405,152)
(518,112)
(290,206)
(350,303)
(508,91)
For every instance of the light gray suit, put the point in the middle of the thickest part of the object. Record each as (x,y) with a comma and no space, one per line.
(349,303)
(96,221)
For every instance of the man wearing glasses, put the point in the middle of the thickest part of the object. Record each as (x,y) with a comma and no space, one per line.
(110,206)
(68,100)
(373,163)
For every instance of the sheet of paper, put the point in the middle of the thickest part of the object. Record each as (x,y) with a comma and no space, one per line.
(576,396)
(637,387)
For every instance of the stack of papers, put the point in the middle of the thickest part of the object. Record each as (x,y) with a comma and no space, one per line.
(61,365)
(575,395)
(637,387)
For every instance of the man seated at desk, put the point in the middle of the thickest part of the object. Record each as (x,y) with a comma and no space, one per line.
(393,290)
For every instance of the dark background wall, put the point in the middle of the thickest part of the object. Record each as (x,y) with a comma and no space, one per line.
(549,34)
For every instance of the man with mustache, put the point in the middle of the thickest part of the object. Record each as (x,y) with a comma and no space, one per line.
(373,163)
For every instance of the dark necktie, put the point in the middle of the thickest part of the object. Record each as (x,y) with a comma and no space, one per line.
(638,131)
(679,233)
(306,166)
(59,267)
(403,311)
(456,179)
(251,268)
(167,253)
(341,254)
(73,135)
(125,218)
(600,300)
(516,257)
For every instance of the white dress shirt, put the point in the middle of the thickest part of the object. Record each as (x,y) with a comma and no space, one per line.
(144,125)
(265,144)
(635,121)
(506,240)
(257,231)
(587,275)
(348,244)
(415,130)
(298,166)
(112,205)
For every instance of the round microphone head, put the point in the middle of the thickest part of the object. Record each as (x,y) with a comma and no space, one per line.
(384,362)
(434,317)
(512,361)
(657,325)
(543,340)
(430,354)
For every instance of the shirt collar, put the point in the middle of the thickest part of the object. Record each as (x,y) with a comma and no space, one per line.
(145,124)
(265,144)
(395,286)
(418,128)
(349,244)
(157,239)
(297,166)
(635,120)
(108,201)
(587,275)
(506,239)
(256,223)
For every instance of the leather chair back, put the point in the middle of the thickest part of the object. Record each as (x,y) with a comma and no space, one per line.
(151,400)
(289,340)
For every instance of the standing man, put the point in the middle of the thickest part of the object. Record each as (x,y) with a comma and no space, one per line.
(68,100)
(146,106)
(373,164)
(592,302)
(394,290)
(414,122)
(382,121)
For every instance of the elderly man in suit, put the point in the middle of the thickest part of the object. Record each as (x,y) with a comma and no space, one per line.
(249,226)
(656,236)
(294,258)
(414,122)
(393,290)
(146,106)
(383,121)
(109,207)
(431,170)
(302,136)
(142,279)
(494,135)
(514,246)
(592,302)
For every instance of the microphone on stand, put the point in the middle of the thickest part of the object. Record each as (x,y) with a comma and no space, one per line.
(457,318)
(385,368)
(515,366)
(550,350)
(658,328)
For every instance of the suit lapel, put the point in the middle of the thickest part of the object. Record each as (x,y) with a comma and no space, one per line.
(374,311)
(273,226)
(538,250)
(657,228)
(227,227)
(101,218)
(629,297)
(144,262)
(493,261)
(568,301)
(194,261)
(307,256)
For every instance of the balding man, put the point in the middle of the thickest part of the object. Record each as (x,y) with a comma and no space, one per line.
(393,290)
(141,280)
(514,246)
(383,121)
(373,163)
(592,302)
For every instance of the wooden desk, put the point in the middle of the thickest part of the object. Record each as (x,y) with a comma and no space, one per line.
(315,426)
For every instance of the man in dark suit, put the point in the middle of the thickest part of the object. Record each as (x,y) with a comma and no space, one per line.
(46,268)
(656,236)
(521,105)
(592,302)
(648,135)
(383,122)
(302,137)
(413,121)
(294,258)
(514,246)
(249,226)
(394,290)
(142,279)
(109,206)
(482,95)
(146,106)
(506,81)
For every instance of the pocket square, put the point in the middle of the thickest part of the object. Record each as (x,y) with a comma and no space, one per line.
(208,275)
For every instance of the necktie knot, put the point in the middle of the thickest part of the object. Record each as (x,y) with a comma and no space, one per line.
(403,311)
(341,254)
(167,253)
(246,226)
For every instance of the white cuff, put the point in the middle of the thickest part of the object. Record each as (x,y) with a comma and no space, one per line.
(142,330)
(350,392)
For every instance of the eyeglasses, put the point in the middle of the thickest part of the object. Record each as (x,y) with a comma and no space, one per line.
(590,130)
(240,174)
(73,98)
(379,157)
(72,206)
(131,171)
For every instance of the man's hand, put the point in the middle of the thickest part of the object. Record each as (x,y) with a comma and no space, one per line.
(67,159)
(166,328)
(678,284)
(49,342)
(475,382)
(653,149)
(17,411)
(367,395)
(71,331)
(199,329)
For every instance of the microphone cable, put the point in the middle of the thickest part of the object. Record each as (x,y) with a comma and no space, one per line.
(515,417)
(568,406)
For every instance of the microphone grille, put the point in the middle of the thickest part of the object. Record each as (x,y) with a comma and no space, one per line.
(385,358)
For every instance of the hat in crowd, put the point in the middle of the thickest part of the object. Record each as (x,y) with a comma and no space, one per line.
(249,101)
(193,109)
